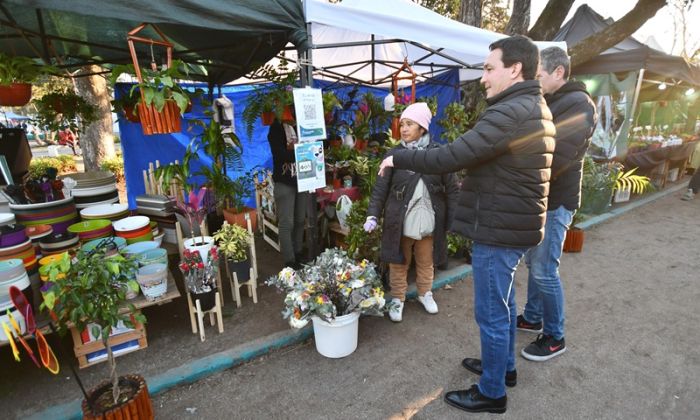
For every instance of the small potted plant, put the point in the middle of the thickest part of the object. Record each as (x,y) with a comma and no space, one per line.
(195,210)
(233,242)
(273,100)
(200,276)
(126,105)
(92,290)
(59,109)
(16,75)
(332,291)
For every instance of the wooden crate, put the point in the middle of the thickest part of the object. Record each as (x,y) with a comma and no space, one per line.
(82,350)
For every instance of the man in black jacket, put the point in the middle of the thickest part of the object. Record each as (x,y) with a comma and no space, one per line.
(501,207)
(574,117)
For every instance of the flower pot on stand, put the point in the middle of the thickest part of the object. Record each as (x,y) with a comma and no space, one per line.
(137,406)
(234,218)
(207,300)
(241,268)
(337,338)
(201,244)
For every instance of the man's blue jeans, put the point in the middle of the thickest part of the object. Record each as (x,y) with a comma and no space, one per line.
(545,296)
(493,269)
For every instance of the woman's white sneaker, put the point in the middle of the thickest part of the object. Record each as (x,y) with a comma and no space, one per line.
(428,303)
(396,311)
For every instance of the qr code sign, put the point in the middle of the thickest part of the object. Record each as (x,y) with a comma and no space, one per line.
(309,112)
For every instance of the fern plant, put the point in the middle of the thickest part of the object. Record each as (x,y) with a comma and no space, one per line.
(637,184)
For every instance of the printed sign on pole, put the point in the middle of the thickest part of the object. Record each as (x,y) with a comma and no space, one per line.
(311,168)
(308,106)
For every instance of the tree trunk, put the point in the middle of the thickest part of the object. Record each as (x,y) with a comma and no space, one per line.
(550,20)
(112,368)
(97,140)
(470,12)
(519,19)
(618,31)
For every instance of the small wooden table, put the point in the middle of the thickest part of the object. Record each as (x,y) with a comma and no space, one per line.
(83,350)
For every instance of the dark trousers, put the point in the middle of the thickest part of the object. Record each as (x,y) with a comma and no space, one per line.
(694,183)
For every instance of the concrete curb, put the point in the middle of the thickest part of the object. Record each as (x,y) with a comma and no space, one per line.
(217,362)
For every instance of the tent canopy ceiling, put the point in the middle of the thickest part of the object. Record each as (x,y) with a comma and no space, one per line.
(628,55)
(400,29)
(228,37)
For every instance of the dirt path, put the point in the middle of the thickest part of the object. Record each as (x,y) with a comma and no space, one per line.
(632,321)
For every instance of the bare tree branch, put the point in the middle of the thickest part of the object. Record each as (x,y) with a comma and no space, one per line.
(550,20)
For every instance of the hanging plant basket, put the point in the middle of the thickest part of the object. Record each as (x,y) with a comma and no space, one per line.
(15,94)
(130,114)
(153,121)
(268,118)
(163,122)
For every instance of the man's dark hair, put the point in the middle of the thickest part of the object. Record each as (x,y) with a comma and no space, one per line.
(519,49)
(553,57)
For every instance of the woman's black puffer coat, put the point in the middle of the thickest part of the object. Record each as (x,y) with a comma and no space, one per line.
(390,197)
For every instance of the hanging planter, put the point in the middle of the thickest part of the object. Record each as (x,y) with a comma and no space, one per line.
(16,75)
(162,100)
(15,94)
(268,118)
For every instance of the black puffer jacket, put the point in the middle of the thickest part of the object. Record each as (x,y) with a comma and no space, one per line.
(507,155)
(575,117)
(390,197)
(282,158)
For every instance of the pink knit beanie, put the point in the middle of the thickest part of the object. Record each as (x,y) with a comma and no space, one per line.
(418,112)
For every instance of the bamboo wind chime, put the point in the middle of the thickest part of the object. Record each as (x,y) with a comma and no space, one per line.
(153,121)
(405,68)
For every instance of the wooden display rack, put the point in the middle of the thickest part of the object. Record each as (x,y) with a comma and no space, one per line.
(82,350)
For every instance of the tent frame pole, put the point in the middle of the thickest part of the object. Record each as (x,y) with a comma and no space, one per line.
(635,100)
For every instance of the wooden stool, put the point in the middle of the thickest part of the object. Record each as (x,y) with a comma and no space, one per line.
(252,282)
(197,315)
(181,248)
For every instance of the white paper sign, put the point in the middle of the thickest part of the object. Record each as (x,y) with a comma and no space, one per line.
(308,105)
(311,168)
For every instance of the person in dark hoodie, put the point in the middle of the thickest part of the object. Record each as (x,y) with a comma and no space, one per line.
(501,207)
(574,118)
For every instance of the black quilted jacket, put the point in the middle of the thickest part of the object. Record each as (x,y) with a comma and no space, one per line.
(508,155)
(575,117)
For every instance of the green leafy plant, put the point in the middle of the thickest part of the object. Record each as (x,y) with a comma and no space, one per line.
(362,244)
(64,108)
(92,290)
(273,97)
(158,86)
(330,102)
(456,121)
(233,242)
(114,165)
(63,164)
(18,69)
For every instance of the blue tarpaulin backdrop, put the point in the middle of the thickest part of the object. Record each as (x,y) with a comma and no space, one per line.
(138,149)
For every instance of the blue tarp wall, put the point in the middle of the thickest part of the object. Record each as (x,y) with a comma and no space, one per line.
(139,150)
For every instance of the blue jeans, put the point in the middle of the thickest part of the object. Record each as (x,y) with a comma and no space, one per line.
(493,268)
(545,297)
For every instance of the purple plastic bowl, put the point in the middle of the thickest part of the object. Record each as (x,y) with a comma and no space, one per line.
(12,235)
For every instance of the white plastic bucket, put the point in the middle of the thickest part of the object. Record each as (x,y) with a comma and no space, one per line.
(339,337)
(204,244)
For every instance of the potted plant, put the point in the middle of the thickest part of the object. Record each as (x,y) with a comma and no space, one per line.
(59,109)
(573,241)
(233,242)
(200,275)
(459,246)
(332,291)
(163,100)
(16,75)
(273,100)
(457,120)
(91,290)
(600,180)
(241,188)
(195,210)
(126,105)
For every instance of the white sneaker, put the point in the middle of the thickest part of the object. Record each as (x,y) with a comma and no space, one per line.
(689,195)
(395,313)
(428,303)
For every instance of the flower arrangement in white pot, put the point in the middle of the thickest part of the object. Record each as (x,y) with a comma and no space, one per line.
(234,242)
(332,291)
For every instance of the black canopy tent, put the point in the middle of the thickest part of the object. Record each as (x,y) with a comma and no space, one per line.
(629,55)
(227,37)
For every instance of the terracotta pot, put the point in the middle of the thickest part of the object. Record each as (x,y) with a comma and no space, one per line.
(574,240)
(234,218)
(360,144)
(337,183)
(268,118)
(395,128)
(287,114)
(137,406)
(130,114)
(164,122)
(16,94)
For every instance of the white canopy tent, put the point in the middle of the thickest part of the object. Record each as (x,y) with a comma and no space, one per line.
(366,41)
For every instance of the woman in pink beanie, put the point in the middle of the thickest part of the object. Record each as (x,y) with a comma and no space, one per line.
(417,210)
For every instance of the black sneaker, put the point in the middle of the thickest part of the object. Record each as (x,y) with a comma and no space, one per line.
(474,366)
(523,325)
(544,348)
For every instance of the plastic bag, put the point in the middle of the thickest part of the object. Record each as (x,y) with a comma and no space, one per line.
(342,209)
